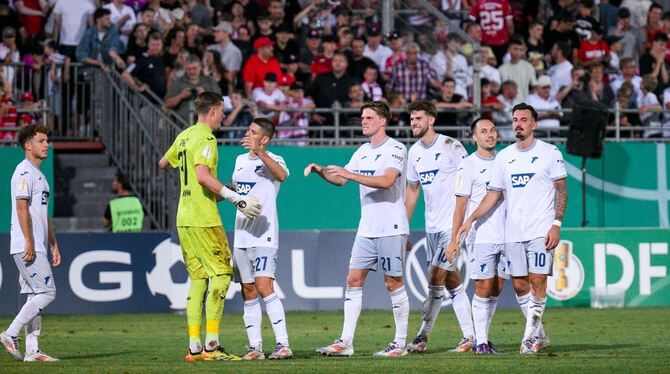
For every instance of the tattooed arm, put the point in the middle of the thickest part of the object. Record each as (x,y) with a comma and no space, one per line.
(553,236)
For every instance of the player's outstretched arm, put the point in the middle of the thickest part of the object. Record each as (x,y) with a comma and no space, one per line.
(328,177)
(554,234)
(384,181)
(488,202)
(248,205)
(459,216)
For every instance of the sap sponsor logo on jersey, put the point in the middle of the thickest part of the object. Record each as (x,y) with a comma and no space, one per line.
(521,180)
(427,177)
(368,173)
(243,188)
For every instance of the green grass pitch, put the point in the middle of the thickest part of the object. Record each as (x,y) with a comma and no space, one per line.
(583,340)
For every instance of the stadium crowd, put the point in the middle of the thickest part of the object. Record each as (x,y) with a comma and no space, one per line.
(267,56)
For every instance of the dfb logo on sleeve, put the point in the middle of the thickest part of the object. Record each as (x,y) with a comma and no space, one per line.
(521,180)
(243,188)
(368,173)
(427,177)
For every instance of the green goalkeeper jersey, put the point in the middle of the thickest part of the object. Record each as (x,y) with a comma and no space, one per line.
(197,205)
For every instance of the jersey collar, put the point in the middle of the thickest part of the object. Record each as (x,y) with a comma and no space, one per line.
(205,126)
(437,136)
(527,149)
(486,158)
(380,144)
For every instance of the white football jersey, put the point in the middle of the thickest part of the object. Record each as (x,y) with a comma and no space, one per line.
(527,179)
(29,183)
(252,177)
(382,210)
(435,167)
(474,174)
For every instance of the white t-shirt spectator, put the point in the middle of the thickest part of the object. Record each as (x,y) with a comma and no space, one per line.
(275,98)
(561,76)
(231,56)
(460,71)
(9,71)
(74,19)
(543,105)
(650,119)
(379,56)
(117,15)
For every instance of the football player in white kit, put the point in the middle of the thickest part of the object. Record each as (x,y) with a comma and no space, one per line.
(431,165)
(486,240)
(532,176)
(31,238)
(379,168)
(259,173)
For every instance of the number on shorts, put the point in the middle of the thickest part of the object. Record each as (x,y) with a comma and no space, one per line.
(386,263)
(258,263)
(443,256)
(540,259)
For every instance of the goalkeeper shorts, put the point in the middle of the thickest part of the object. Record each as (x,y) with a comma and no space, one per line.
(205,250)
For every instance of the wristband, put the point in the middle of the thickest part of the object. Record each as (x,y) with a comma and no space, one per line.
(229,195)
(557,223)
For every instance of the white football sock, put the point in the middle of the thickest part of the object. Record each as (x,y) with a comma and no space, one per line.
(31,309)
(253,316)
(493,304)
(33,332)
(400,305)
(480,315)
(353,302)
(524,302)
(275,310)
(461,305)
(535,312)
(431,308)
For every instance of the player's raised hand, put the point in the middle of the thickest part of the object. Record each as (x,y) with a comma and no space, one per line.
(553,237)
(55,255)
(249,206)
(29,252)
(254,147)
(312,168)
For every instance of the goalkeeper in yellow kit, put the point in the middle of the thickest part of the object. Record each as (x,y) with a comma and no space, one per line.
(203,240)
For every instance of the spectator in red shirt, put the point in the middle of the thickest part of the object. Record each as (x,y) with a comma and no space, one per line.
(488,100)
(323,63)
(259,64)
(497,21)
(654,26)
(32,14)
(593,50)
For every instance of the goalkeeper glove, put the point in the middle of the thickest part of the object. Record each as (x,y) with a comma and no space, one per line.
(248,205)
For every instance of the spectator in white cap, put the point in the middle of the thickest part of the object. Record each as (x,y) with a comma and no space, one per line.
(231,56)
(548,108)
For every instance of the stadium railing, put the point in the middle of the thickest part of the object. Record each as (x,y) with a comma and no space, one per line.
(136,132)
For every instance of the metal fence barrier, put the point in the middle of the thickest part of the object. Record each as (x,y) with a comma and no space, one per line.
(136,133)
